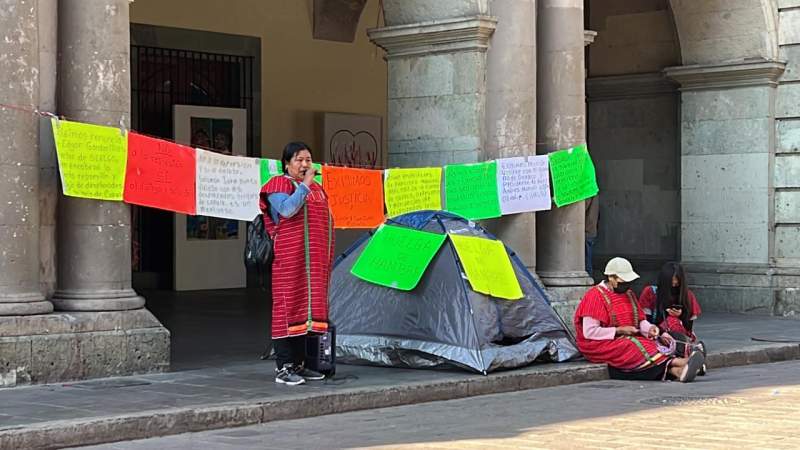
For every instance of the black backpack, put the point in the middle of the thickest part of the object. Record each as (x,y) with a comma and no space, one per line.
(258,250)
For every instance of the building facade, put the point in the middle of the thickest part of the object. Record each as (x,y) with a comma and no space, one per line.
(690,109)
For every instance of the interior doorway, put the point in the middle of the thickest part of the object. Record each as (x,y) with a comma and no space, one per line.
(160,79)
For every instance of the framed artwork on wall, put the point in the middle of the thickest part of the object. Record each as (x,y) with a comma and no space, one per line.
(208,250)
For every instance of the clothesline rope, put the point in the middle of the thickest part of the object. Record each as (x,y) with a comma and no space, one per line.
(61,117)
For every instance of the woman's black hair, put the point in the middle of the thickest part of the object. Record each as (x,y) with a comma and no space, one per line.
(665,298)
(291,149)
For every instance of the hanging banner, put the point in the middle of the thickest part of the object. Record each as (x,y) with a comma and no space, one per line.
(573,175)
(523,184)
(319,169)
(91,159)
(471,190)
(227,186)
(409,190)
(397,257)
(487,266)
(270,168)
(160,174)
(355,196)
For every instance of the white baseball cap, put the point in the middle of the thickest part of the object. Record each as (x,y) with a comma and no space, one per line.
(622,268)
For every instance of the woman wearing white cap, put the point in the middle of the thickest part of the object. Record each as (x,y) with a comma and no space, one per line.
(611,328)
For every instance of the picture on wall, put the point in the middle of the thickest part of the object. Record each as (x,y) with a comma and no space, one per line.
(208,250)
(216,135)
(353,140)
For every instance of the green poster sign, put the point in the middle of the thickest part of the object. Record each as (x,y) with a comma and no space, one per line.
(273,167)
(318,176)
(396,257)
(269,169)
(471,190)
(573,175)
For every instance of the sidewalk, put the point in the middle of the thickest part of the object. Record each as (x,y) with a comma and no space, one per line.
(123,408)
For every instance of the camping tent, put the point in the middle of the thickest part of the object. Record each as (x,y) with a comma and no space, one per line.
(442,321)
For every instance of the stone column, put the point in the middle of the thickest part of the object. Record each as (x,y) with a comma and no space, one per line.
(48,165)
(730,243)
(561,123)
(19,160)
(94,250)
(511,108)
(436,54)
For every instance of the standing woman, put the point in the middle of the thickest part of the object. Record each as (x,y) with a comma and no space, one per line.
(297,217)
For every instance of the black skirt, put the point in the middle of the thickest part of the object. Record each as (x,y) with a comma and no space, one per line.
(658,372)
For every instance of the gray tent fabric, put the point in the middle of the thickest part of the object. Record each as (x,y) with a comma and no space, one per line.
(442,322)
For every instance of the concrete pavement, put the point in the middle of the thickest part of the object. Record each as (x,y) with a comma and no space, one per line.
(114,409)
(755,407)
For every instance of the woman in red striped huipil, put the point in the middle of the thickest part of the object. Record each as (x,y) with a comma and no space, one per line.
(297,216)
(611,328)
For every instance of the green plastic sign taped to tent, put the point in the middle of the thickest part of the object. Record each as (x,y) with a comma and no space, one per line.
(487,266)
(397,257)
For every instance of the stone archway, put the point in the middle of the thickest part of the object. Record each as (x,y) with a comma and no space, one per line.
(718,30)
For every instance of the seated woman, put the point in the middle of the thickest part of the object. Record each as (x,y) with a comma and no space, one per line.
(673,306)
(611,328)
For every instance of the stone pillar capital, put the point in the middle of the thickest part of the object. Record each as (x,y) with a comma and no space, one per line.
(588,37)
(757,72)
(437,36)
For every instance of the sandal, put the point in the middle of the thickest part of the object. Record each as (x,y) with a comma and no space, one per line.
(693,365)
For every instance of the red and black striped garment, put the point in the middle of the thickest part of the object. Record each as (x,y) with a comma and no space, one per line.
(301,268)
(629,353)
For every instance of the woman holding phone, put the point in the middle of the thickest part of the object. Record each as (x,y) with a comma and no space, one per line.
(672,306)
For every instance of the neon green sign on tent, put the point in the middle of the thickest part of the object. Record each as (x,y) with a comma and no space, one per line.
(487,266)
(397,257)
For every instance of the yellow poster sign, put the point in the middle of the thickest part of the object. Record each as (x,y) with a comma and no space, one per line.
(409,190)
(91,159)
(487,266)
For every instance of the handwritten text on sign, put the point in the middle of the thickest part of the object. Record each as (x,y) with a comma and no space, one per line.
(523,184)
(227,186)
(160,174)
(355,196)
(573,175)
(487,266)
(91,159)
(471,190)
(413,190)
(396,257)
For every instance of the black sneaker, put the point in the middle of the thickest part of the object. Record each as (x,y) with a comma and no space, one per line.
(288,375)
(309,374)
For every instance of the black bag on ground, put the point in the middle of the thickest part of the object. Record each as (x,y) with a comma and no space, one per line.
(258,250)
(321,352)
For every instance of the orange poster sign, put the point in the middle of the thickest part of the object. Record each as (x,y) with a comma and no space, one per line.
(355,196)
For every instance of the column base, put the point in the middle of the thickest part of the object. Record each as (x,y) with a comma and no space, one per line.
(565,290)
(98,300)
(61,347)
(24,304)
(741,288)
(566,279)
